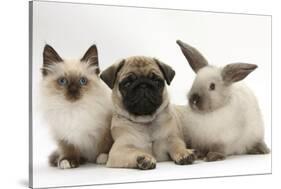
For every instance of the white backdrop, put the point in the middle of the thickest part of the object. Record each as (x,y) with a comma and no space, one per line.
(120,32)
(14,103)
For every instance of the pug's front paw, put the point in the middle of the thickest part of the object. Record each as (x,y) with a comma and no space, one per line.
(146,162)
(185,158)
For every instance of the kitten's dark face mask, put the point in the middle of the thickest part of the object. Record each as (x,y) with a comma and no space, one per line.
(72,87)
(142,95)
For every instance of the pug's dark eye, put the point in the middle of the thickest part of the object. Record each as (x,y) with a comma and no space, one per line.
(129,80)
(159,82)
(127,84)
(132,77)
(62,81)
(83,81)
(153,76)
(212,86)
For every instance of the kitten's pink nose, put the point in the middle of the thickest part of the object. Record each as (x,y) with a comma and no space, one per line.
(73,93)
(72,88)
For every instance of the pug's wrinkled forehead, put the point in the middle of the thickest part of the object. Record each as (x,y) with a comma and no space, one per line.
(140,66)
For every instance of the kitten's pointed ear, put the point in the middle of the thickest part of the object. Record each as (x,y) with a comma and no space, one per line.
(167,71)
(50,57)
(237,71)
(91,57)
(195,59)
(109,75)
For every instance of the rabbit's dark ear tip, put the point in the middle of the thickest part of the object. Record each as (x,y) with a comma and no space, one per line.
(252,66)
(179,42)
(93,46)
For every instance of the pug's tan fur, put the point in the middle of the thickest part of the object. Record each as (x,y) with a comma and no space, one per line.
(140,141)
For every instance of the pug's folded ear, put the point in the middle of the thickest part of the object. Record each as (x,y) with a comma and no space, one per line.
(109,75)
(167,71)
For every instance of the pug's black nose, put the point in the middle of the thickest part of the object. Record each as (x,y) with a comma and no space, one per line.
(143,86)
(195,99)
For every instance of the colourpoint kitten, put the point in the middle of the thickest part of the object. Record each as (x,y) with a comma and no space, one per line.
(76,105)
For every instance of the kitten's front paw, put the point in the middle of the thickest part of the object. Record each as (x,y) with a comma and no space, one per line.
(102,158)
(65,163)
(145,162)
(185,158)
(215,156)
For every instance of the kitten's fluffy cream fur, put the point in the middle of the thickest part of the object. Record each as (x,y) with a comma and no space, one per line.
(84,123)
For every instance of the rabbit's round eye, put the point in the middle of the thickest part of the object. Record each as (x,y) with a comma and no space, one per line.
(212,86)
(83,81)
(62,81)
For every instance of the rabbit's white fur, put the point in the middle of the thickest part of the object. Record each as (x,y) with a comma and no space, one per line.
(223,117)
(237,125)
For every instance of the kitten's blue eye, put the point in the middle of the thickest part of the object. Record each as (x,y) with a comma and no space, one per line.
(83,81)
(62,81)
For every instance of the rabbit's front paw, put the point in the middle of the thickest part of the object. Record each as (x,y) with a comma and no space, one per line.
(186,157)
(215,156)
(259,148)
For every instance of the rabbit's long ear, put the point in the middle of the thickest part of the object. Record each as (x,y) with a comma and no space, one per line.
(195,59)
(109,75)
(237,71)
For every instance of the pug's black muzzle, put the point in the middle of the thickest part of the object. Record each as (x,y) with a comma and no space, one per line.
(143,96)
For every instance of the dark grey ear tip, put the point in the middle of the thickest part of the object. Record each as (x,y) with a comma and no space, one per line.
(92,49)
(251,66)
(93,46)
(181,43)
(195,59)
(48,47)
(255,66)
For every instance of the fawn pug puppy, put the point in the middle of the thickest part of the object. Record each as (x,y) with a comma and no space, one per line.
(143,126)
(77,107)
